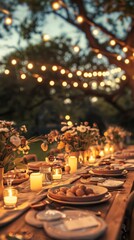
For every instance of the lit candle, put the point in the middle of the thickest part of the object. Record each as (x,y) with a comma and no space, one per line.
(91,159)
(72,162)
(36,181)
(57,173)
(10,197)
(101,154)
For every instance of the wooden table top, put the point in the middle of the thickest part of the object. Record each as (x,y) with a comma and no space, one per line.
(113,212)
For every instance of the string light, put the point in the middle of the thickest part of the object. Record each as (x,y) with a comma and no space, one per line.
(119,58)
(125,49)
(14,62)
(29,65)
(56,5)
(99,55)
(46,37)
(52,83)
(75,84)
(8,20)
(79,73)
(95,32)
(23,76)
(62,71)
(112,42)
(6,71)
(70,75)
(127,61)
(64,84)
(80,19)
(43,68)
(54,68)
(85,85)
(67,117)
(76,49)
(39,79)
(123,77)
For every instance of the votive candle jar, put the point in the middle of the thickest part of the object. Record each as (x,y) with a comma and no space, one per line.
(10,197)
(56,172)
(72,162)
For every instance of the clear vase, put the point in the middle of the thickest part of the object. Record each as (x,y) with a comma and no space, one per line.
(1,182)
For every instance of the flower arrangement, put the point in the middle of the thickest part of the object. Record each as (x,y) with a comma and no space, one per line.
(12,144)
(116,134)
(77,137)
(71,138)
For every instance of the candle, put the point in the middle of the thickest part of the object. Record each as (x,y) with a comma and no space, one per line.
(36,181)
(57,173)
(91,159)
(72,162)
(10,197)
(101,154)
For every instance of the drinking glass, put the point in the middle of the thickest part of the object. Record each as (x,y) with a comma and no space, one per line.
(46,175)
(9,177)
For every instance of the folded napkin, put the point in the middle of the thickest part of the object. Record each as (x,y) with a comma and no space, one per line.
(83,222)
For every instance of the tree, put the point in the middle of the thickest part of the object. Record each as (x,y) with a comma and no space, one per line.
(112,47)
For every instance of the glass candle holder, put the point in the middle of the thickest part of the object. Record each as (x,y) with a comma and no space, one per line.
(46,175)
(56,172)
(10,197)
(36,181)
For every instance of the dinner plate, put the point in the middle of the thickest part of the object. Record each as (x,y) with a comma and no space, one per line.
(36,165)
(81,225)
(18,180)
(123,173)
(129,166)
(91,180)
(96,193)
(102,200)
(110,183)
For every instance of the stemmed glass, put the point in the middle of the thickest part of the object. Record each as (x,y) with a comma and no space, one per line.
(9,177)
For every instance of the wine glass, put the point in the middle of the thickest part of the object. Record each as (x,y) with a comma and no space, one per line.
(9,177)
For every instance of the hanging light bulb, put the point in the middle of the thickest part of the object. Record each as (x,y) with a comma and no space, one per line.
(13,62)
(46,37)
(29,65)
(56,5)
(112,42)
(76,49)
(23,76)
(125,49)
(8,20)
(80,19)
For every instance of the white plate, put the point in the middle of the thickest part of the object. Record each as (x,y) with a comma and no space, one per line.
(123,173)
(50,215)
(36,165)
(129,166)
(59,229)
(104,199)
(110,183)
(130,161)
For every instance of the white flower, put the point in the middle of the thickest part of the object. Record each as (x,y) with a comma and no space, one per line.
(15,140)
(4,130)
(81,128)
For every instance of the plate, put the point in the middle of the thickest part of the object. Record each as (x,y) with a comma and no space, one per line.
(36,165)
(102,200)
(91,180)
(129,166)
(112,169)
(123,173)
(98,191)
(19,180)
(88,226)
(110,183)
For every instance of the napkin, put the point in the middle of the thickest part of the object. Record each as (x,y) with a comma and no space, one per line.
(83,222)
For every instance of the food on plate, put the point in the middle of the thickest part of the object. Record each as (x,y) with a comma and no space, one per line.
(79,190)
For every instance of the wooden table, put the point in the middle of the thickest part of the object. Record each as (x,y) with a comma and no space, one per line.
(113,212)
